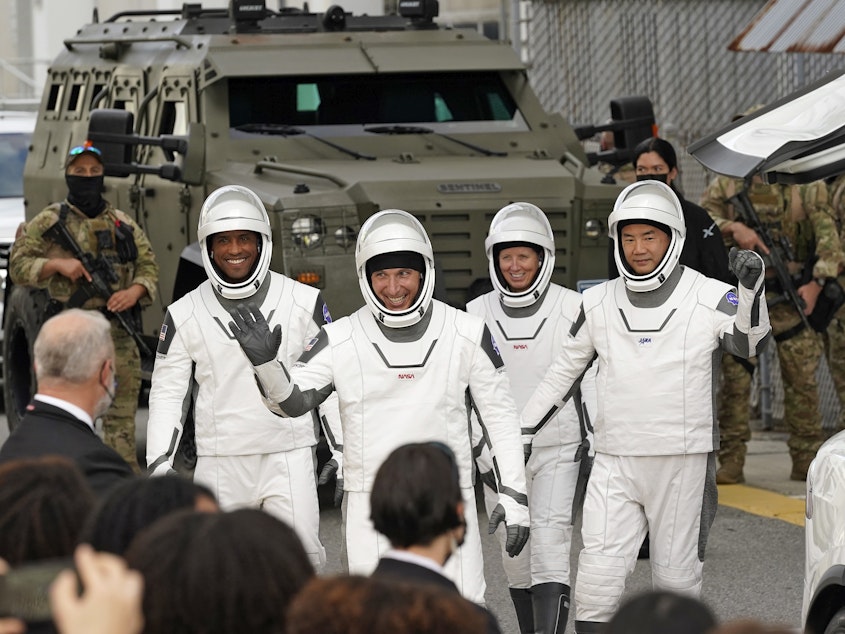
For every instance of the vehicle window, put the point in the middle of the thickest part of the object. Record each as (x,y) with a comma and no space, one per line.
(13,150)
(369,99)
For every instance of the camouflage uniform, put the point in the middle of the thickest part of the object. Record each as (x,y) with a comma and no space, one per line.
(802,214)
(32,250)
(834,338)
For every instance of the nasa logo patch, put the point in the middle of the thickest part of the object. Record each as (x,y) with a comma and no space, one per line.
(310,344)
(163,332)
(732,298)
(326,316)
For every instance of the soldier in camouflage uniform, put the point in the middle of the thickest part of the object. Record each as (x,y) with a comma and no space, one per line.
(802,215)
(834,337)
(98,228)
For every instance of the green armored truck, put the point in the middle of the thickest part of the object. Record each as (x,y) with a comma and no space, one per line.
(329,118)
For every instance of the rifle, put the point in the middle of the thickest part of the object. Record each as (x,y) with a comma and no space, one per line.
(750,218)
(102,274)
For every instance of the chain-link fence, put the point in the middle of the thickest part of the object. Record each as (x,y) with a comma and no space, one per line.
(583,53)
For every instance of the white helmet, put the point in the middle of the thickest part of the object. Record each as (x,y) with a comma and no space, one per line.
(525,223)
(650,202)
(233,208)
(393,231)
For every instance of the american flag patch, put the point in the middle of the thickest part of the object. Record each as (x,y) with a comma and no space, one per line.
(163,333)
(310,344)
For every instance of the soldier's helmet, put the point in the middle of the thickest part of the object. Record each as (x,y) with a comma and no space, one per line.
(521,224)
(652,203)
(233,208)
(397,234)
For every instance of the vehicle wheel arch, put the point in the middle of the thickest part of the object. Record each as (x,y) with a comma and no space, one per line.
(828,601)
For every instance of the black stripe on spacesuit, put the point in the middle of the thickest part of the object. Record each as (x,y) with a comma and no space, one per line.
(321,315)
(488,344)
(166,334)
(412,365)
(317,344)
(579,321)
(329,435)
(658,329)
(531,338)
(726,307)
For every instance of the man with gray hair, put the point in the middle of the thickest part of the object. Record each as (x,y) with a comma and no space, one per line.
(74,368)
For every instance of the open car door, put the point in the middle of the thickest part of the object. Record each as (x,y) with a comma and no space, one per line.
(797,139)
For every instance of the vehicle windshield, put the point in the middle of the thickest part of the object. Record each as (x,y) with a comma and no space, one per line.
(453,99)
(13,149)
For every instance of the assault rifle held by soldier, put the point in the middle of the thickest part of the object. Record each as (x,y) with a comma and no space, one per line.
(787,285)
(102,274)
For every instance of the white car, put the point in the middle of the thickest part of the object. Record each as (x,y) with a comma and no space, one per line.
(15,137)
(823,610)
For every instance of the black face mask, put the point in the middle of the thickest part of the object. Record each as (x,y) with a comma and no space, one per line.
(85,193)
(653,177)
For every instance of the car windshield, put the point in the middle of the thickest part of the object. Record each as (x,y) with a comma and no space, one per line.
(322,100)
(13,149)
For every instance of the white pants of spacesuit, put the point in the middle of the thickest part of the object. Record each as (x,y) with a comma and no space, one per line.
(283,484)
(628,496)
(364,546)
(551,475)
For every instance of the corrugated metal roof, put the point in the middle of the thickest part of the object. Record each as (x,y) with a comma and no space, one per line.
(795,26)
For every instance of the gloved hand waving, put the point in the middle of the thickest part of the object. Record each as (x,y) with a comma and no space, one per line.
(253,333)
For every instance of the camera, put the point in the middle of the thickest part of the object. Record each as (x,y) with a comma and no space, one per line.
(25,590)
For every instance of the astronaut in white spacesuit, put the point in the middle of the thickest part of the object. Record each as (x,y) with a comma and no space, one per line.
(658,331)
(401,366)
(529,318)
(247,455)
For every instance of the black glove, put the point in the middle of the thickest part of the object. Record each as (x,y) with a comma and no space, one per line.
(253,333)
(517,535)
(328,472)
(747,266)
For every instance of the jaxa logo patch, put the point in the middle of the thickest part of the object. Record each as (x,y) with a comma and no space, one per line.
(732,298)
(645,342)
(495,347)
(162,333)
(326,315)
(310,344)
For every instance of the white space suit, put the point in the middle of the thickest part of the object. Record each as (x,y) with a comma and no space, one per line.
(247,455)
(529,328)
(658,338)
(397,385)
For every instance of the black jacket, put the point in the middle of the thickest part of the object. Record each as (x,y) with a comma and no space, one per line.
(407,572)
(49,430)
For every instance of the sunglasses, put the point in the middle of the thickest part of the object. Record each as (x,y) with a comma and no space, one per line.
(86,147)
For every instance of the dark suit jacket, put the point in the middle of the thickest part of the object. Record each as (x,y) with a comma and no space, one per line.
(48,430)
(407,572)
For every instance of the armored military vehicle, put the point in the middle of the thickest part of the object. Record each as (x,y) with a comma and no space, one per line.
(328,117)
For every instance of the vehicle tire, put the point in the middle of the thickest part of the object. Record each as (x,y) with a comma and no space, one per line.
(836,625)
(24,313)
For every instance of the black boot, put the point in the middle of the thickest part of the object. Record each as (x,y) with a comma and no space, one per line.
(521,598)
(589,627)
(551,607)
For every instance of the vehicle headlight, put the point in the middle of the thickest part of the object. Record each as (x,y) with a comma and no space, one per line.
(593,228)
(308,231)
(345,236)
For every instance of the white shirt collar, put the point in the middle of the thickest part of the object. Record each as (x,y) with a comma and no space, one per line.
(70,408)
(413,558)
